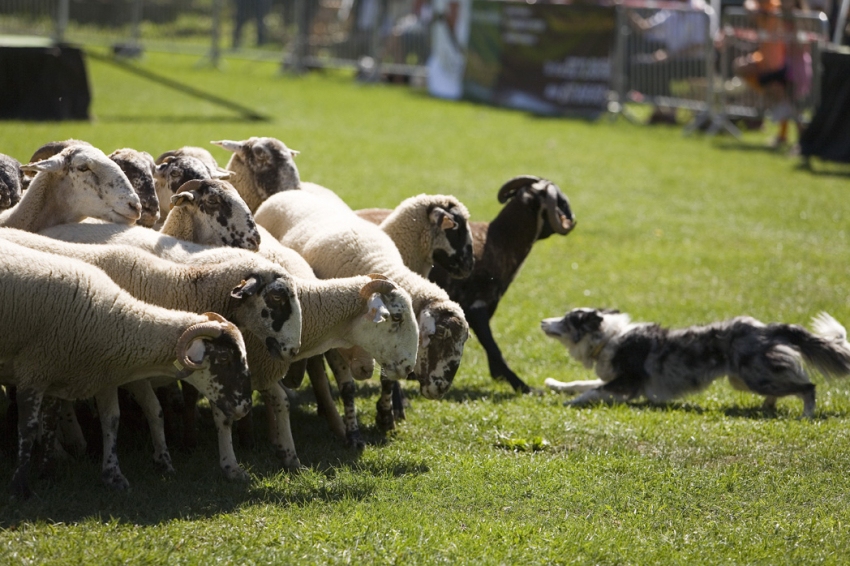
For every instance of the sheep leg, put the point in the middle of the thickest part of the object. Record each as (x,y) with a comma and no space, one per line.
(324,399)
(190,408)
(479,321)
(277,403)
(110,415)
(384,419)
(29,407)
(398,402)
(144,395)
(295,374)
(345,384)
(227,458)
(51,451)
(73,439)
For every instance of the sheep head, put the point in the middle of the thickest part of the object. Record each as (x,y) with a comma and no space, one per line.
(139,168)
(451,240)
(265,166)
(215,361)
(218,214)
(443,331)
(266,305)
(556,215)
(88,184)
(11,181)
(387,328)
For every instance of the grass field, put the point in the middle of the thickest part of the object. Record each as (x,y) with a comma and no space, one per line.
(672,229)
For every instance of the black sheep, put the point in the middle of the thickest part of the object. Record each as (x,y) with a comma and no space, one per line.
(535,209)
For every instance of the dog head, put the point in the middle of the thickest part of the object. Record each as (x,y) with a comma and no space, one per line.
(584,331)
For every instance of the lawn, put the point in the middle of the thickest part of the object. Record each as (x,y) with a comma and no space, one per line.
(671,228)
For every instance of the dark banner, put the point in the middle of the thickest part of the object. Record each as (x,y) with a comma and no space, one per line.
(544,58)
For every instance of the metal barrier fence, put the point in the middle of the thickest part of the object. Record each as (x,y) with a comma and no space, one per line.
(300,33)
(803,35)
(664,52)
(663,55)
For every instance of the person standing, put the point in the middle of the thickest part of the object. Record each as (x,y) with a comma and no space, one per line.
(449,37)
(245,11)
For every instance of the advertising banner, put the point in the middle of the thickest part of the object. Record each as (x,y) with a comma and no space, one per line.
(543,58)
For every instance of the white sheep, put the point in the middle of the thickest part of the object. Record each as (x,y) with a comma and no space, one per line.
(428,230)
(337,243)
(138,166)
(257,295)
(350,312)
(207,213)
(210,211)
(78,182)
(77,335)
(176,167)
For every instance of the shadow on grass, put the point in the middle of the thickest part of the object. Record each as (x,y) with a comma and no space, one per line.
(108,119)
(198,489)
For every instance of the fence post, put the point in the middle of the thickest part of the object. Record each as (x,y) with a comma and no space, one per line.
(302,32)
(215,48)
(62,15)
(136,29)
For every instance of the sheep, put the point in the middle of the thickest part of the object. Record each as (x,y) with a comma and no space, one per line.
(138,166)
(174,168)
(261,167)
(337,243)
(535,209)
(77,335)
(11,181)
(257,295)
(210,211)
(428,230)
(78,182)
(205,212)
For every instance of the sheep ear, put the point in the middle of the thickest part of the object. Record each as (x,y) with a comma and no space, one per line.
(182,199)
(50,165)
(375,309)
(294,152)
(229,145)
(439,217)
(221,173)
(246,288)
(196,350)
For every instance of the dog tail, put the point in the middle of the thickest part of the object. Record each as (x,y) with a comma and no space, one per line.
(827,349)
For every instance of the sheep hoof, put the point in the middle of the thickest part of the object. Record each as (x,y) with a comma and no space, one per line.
(20,490)
(236,474)
(289,461)
(114,480)
(355,440)
(163,463)
(384,420)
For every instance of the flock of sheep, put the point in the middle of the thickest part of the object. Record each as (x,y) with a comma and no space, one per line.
(251,279)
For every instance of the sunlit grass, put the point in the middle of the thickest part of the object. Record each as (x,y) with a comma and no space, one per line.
(673,229)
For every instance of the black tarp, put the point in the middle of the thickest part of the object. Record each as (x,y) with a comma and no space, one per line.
(828,135)
(43,83)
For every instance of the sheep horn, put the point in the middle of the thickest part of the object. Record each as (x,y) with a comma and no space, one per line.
(229,145)
(557,219)
(512,186)
(209,329)
(382,286)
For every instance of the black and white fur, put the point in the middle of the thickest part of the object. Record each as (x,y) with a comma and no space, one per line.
(661,364)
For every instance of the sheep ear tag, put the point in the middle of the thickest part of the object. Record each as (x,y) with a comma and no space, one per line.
(376,311)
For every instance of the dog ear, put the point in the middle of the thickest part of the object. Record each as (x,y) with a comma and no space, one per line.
(582,322)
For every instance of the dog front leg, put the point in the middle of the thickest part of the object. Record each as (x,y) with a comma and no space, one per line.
(573,387)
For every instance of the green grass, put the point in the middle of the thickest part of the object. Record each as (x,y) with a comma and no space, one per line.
(672,229)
